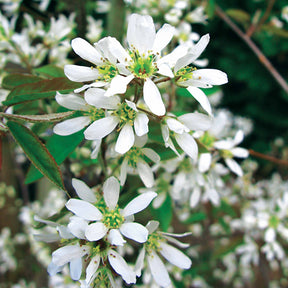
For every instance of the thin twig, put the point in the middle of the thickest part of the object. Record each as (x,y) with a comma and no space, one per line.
(262,58)
(269,158)
(255,27)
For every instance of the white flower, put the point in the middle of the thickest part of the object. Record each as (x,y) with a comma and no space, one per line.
(100,55)
(75,102)
(71,254)
(125,115)
(134,163)
(229,150)
(108,220)
(142,60)
(193,78)
(180,129)
(156,243)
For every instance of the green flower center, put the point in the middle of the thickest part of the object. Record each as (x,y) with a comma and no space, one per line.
(95,113)
(274,221)
(153,242)
(226,154)
(207,140)
(185,165)
(133,155)
(112,219)
(142,66)
(185,73)
(126,114)
(108,71)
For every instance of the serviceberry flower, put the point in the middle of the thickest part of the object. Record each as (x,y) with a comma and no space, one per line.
(71,254)
(191,77)
(179,128)
(228,150)
(125,115)
(134,162)
(157,243)
(77,103)
(104,69)
(105,217)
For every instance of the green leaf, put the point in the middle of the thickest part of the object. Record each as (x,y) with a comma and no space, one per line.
(39,90)
(164,213)
(50,71)
(54,117)
(36,152)
(195,217)
(12,80)
(210,8)
(60,147)
(239,16)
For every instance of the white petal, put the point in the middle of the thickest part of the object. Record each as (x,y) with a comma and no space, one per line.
(234,166)
(134,231)
(131,104)
(115,237)
(152,226)
(92,268)
(86,51)
(200,96)
(141,124)
(101,128)
(270,235)
(83,191)
(152,98)
(84,209)
(71,101)
(158,270)
(96,231)
(193,53)
(176,126)
(139,203)
(145,173)
(71,126)
(65,254)
(125,139)
(187,144)
(95,97)
(196,121)
(118,85)
(53,269)
(240,152)
(224,144)
(76,268)
(205,160)
(175,256)
(165,70)
(195,197)
(77,227)
(141,32)
(92,85)
(121,267)
(81,73)
(210,76)
(96,149)
(163,37)
(140,262)
(111,190)
(213,196)
(118,51)
(238,137)
(151,154)
(123,171)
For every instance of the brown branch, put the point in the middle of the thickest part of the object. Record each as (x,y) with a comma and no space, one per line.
(255,27)
(262,58)
(268,158)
